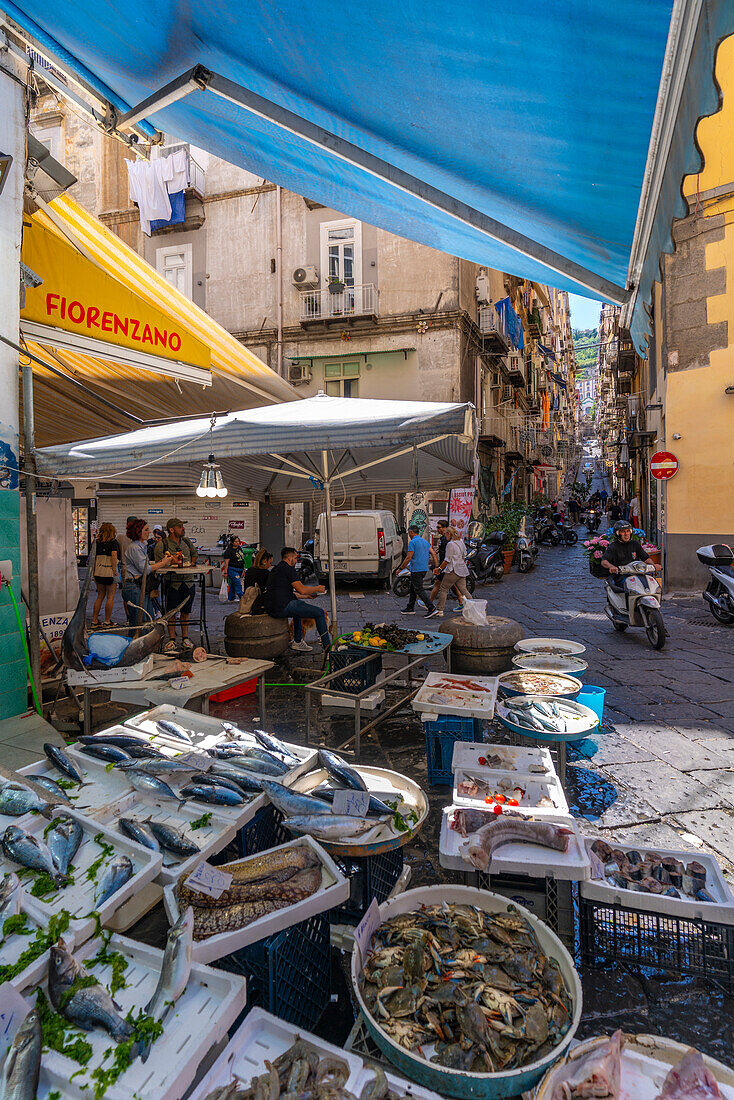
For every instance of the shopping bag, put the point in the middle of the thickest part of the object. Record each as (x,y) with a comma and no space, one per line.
(475,611)
(224,591)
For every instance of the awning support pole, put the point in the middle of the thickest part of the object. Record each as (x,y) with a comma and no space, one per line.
(34,635)
(330,545)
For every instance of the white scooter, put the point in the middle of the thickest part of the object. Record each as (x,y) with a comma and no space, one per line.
(719,594)
(638,604)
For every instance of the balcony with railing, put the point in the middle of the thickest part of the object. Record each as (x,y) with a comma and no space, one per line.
(196,173)
(493,429)
(339,304)
(492,328)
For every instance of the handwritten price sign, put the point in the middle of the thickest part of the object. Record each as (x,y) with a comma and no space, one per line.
(197,761)
(366,928)
(353,803)
(209,880)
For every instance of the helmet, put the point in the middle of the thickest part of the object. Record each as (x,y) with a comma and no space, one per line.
(621,525)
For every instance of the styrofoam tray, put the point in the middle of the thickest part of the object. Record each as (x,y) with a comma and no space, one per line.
(78,897)
(721,911)
(535,788)
(458,700)
(333,891)
(263,1036)
(90,677)
(211,1003)
(520,859)
(515,761)
(11,947)
(535,645)
(645,1062)
(399,1085)
(205,731)
(43,768)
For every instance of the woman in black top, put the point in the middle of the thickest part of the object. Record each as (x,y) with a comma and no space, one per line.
(259,570)
(235,560)
(106,561)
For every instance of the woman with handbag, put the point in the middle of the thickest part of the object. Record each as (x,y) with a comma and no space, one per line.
(453,571)
(106,560)
(136,566)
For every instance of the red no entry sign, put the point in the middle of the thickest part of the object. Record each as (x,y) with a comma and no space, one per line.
(663,465)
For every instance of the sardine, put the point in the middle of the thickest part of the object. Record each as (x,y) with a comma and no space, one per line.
(117,873)
(140,832)
(29,851)
(268,741)
(150,784)
(339,769)
(105,751)
(332,827)
(22,1066)
(16,801)
(172,729)
(52,787)
(63,842)
(175,968)
(88,1007)
(62,763)
(9,896)
(215,796)
(171,839)
(292,802)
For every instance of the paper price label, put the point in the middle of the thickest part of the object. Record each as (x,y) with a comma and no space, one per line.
(366,928)
(197,761)
(209,880)
(353,803)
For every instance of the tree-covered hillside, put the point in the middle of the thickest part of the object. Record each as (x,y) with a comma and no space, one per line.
(585,345)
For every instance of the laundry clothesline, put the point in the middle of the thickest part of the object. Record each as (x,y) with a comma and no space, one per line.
(157,186)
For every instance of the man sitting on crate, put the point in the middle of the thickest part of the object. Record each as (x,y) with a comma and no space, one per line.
(282,600)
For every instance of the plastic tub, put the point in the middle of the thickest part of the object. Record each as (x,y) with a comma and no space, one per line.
(593,697)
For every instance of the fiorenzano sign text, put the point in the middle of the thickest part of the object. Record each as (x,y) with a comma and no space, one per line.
(92,317)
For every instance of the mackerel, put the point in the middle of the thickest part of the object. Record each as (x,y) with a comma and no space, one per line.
(262,756)
(342,771)
(268,741)
(140,832)
(52,787)
(172,839)
(150,784)
(62,763)
(374,806)
(215,796)
(335,827)
(106,752)
(292,802)
(172,729)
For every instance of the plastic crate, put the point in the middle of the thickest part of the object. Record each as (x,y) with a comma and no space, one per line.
(288,973)
(360,678)
(249,687)
(546,898)
(264,831)
(369,877)
(613,933)
(441,736)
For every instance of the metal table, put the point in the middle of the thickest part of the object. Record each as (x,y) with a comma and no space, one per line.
(415,654)
(198,573)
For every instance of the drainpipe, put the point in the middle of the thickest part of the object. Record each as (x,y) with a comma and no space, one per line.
(34,636)
(279,275)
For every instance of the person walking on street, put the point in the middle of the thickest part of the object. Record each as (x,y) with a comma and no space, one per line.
(181,553)
(285,598)
(420,553)
(235,560)
(136,566)
(634,513)
(573,507)
(106,561)
(454,571)
(443,526)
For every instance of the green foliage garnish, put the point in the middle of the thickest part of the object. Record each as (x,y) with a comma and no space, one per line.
(51,825)
(43,885)
(402,821)
(54,1095)
(41,942)
(115,960)
(17,925)
(145,1031)
(60,1035)
(82,981)
(66,785)
(107,850)
(201,822)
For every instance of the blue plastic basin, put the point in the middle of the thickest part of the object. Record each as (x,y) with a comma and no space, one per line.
(593,697)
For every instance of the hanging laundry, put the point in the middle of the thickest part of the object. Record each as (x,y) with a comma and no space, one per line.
(158,187)
(545,414)
(178,212)
(511,323)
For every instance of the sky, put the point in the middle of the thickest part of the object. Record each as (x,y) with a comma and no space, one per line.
(584,311)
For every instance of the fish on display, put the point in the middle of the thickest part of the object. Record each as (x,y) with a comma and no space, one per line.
(246,780)
(268,741)
(690,1079)
(238,734)
(29,851)
(509,829)
(292,802)
(215,796)
(9,896)
(215,781)
(157,766)
(143,751)
(271,874)
(253,764)
(62,763)
(63,842)
(263,756)
(140,832)
(105,751)
(173,840)
(52,787)
(172,729)
(122,740)
(340,770)
(175,968)
(117,873)
(596,1073)
(88,1007)
(333,827)
(375,805)
(17,800)
(150,784)
(22,1066)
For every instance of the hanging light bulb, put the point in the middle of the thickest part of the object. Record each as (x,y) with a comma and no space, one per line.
(221,487)
(211,483)
(201,487)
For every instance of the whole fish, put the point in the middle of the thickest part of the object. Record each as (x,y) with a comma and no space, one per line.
(509,830)
(215,796)
(334,827)
(62,763)
(63,842)
(30,852)
(144,751)
(375,805)
(88,1007)
(158,766)
(122,740)
(268,741)
(9,896)
(238,734)
(262,756)
(172,729)
(172,839)
(104,751)
(16,800)
(117,873)
(215,781)
(150,784)
(140,832)
(22,1066)
(246,780)
(175,968)
(339,769)
(292,802)
(253,764)
(52,787)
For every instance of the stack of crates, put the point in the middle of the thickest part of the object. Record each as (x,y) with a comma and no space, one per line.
(441,736)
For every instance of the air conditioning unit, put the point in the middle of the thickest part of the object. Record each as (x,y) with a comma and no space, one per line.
(482,287)
(306,278)
(299,373)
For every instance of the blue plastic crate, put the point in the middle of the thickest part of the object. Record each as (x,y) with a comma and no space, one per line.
(441,736)
(264,831)
(358,679)
(288,973)
(369,877)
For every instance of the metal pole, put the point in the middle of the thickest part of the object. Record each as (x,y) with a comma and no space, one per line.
(34,635)
(330,544)
(279,275)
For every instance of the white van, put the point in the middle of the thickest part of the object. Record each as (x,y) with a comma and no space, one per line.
(366,545)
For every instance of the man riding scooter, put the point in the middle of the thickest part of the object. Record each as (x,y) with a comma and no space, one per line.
(622,550)
(633,593)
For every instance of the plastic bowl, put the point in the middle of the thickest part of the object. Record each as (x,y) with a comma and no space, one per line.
(572,666)
(571,685)
(558,646)
(592,722)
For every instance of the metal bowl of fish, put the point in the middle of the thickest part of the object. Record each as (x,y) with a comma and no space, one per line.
(538,681)
(547,718)
(643,1066)
(550,647)
(467,993)
(546,662)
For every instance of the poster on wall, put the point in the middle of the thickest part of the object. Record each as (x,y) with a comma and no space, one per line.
(460,506)
(416,511)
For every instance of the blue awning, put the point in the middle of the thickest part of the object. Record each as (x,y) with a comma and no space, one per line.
(547,352)
(548,141)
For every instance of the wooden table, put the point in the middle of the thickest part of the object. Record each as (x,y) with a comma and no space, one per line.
(197,573)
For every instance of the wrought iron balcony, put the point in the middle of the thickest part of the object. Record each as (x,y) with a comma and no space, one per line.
(339,303)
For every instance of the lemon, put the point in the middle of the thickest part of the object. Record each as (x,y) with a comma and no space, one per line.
(357,636)
(420,637)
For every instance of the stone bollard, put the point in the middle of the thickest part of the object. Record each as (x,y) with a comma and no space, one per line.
(483,649)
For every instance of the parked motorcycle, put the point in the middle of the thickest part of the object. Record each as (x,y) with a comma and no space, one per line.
(638,602)
(546,531)
(719,593)
(567,533)
(306,564)
(484,554)
(527,552)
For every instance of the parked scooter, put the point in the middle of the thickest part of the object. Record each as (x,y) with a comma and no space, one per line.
(484,554)
(638,602)
(306,564)
(568,535)
(719,593)
(546,531)
(527,552)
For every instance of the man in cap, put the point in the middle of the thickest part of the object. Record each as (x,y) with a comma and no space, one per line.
(176,588)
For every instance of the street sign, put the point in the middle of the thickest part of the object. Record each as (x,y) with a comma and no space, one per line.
(663,465)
